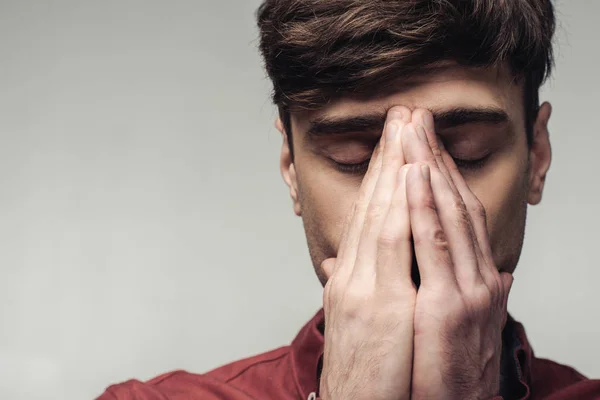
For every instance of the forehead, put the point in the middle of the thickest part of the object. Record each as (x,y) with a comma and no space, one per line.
(451,87)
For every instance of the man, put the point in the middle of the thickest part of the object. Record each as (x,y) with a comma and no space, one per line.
(413,142)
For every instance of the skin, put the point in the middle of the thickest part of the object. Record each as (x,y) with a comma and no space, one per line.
(385,339)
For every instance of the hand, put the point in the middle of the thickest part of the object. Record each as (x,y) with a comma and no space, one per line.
(369,298)
(460,308)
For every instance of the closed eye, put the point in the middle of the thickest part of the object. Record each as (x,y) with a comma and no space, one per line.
(471,164)
(353,169)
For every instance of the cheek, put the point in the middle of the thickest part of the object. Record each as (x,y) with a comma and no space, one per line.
(326,198)
(503,194)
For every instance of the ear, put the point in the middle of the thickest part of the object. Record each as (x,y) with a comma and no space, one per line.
(288,170)
(540,155)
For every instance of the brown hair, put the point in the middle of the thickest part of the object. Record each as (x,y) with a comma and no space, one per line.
(318,50)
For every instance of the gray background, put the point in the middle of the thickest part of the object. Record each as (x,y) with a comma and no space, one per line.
(143,223)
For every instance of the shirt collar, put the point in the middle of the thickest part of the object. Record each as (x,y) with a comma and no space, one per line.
(307,350)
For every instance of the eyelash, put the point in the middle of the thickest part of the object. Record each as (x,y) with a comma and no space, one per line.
(353,169)
(471,164)
(361,168)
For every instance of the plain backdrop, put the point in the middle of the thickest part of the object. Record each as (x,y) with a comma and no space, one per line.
(144,226)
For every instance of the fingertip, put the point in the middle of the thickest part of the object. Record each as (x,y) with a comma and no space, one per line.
(409,136)
(328,266)
(414,175)
(424,117)
(401,112)
(403,172)
(425,172)
(507,280)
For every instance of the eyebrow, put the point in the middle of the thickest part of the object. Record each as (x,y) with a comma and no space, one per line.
(374,122)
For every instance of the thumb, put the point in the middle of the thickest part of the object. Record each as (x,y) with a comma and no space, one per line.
(507,281)
(328,266)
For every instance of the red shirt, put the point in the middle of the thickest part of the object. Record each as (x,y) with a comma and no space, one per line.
(292,372)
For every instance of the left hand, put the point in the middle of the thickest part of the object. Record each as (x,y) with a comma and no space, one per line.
(460,309)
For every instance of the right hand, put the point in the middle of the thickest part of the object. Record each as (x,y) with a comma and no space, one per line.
(369,298)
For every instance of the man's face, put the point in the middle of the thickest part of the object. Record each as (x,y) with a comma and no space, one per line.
(479,116)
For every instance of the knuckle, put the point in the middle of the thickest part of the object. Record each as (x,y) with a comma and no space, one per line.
(422,202)
(459,209)
(481,298)
(477,209)
(353,300)
(389,238)
(376,211)
(434,236)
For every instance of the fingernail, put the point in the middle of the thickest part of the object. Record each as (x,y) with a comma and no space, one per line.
(425,172)
(392,130)
(440,143)
(403,172)
(428,122)
(398,112)
(422,134)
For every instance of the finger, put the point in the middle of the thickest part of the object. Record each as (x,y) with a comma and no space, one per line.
(394,246)
(451,211)
(455,222)
(507,280)
(354,221)
(431,244)
(415,146)
(387,182)
(352,232)
(478,219)
(423,117)
(328,266)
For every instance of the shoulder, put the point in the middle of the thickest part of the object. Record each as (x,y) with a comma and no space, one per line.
(552,370)
(253,366)
(244,379)
(561,381)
